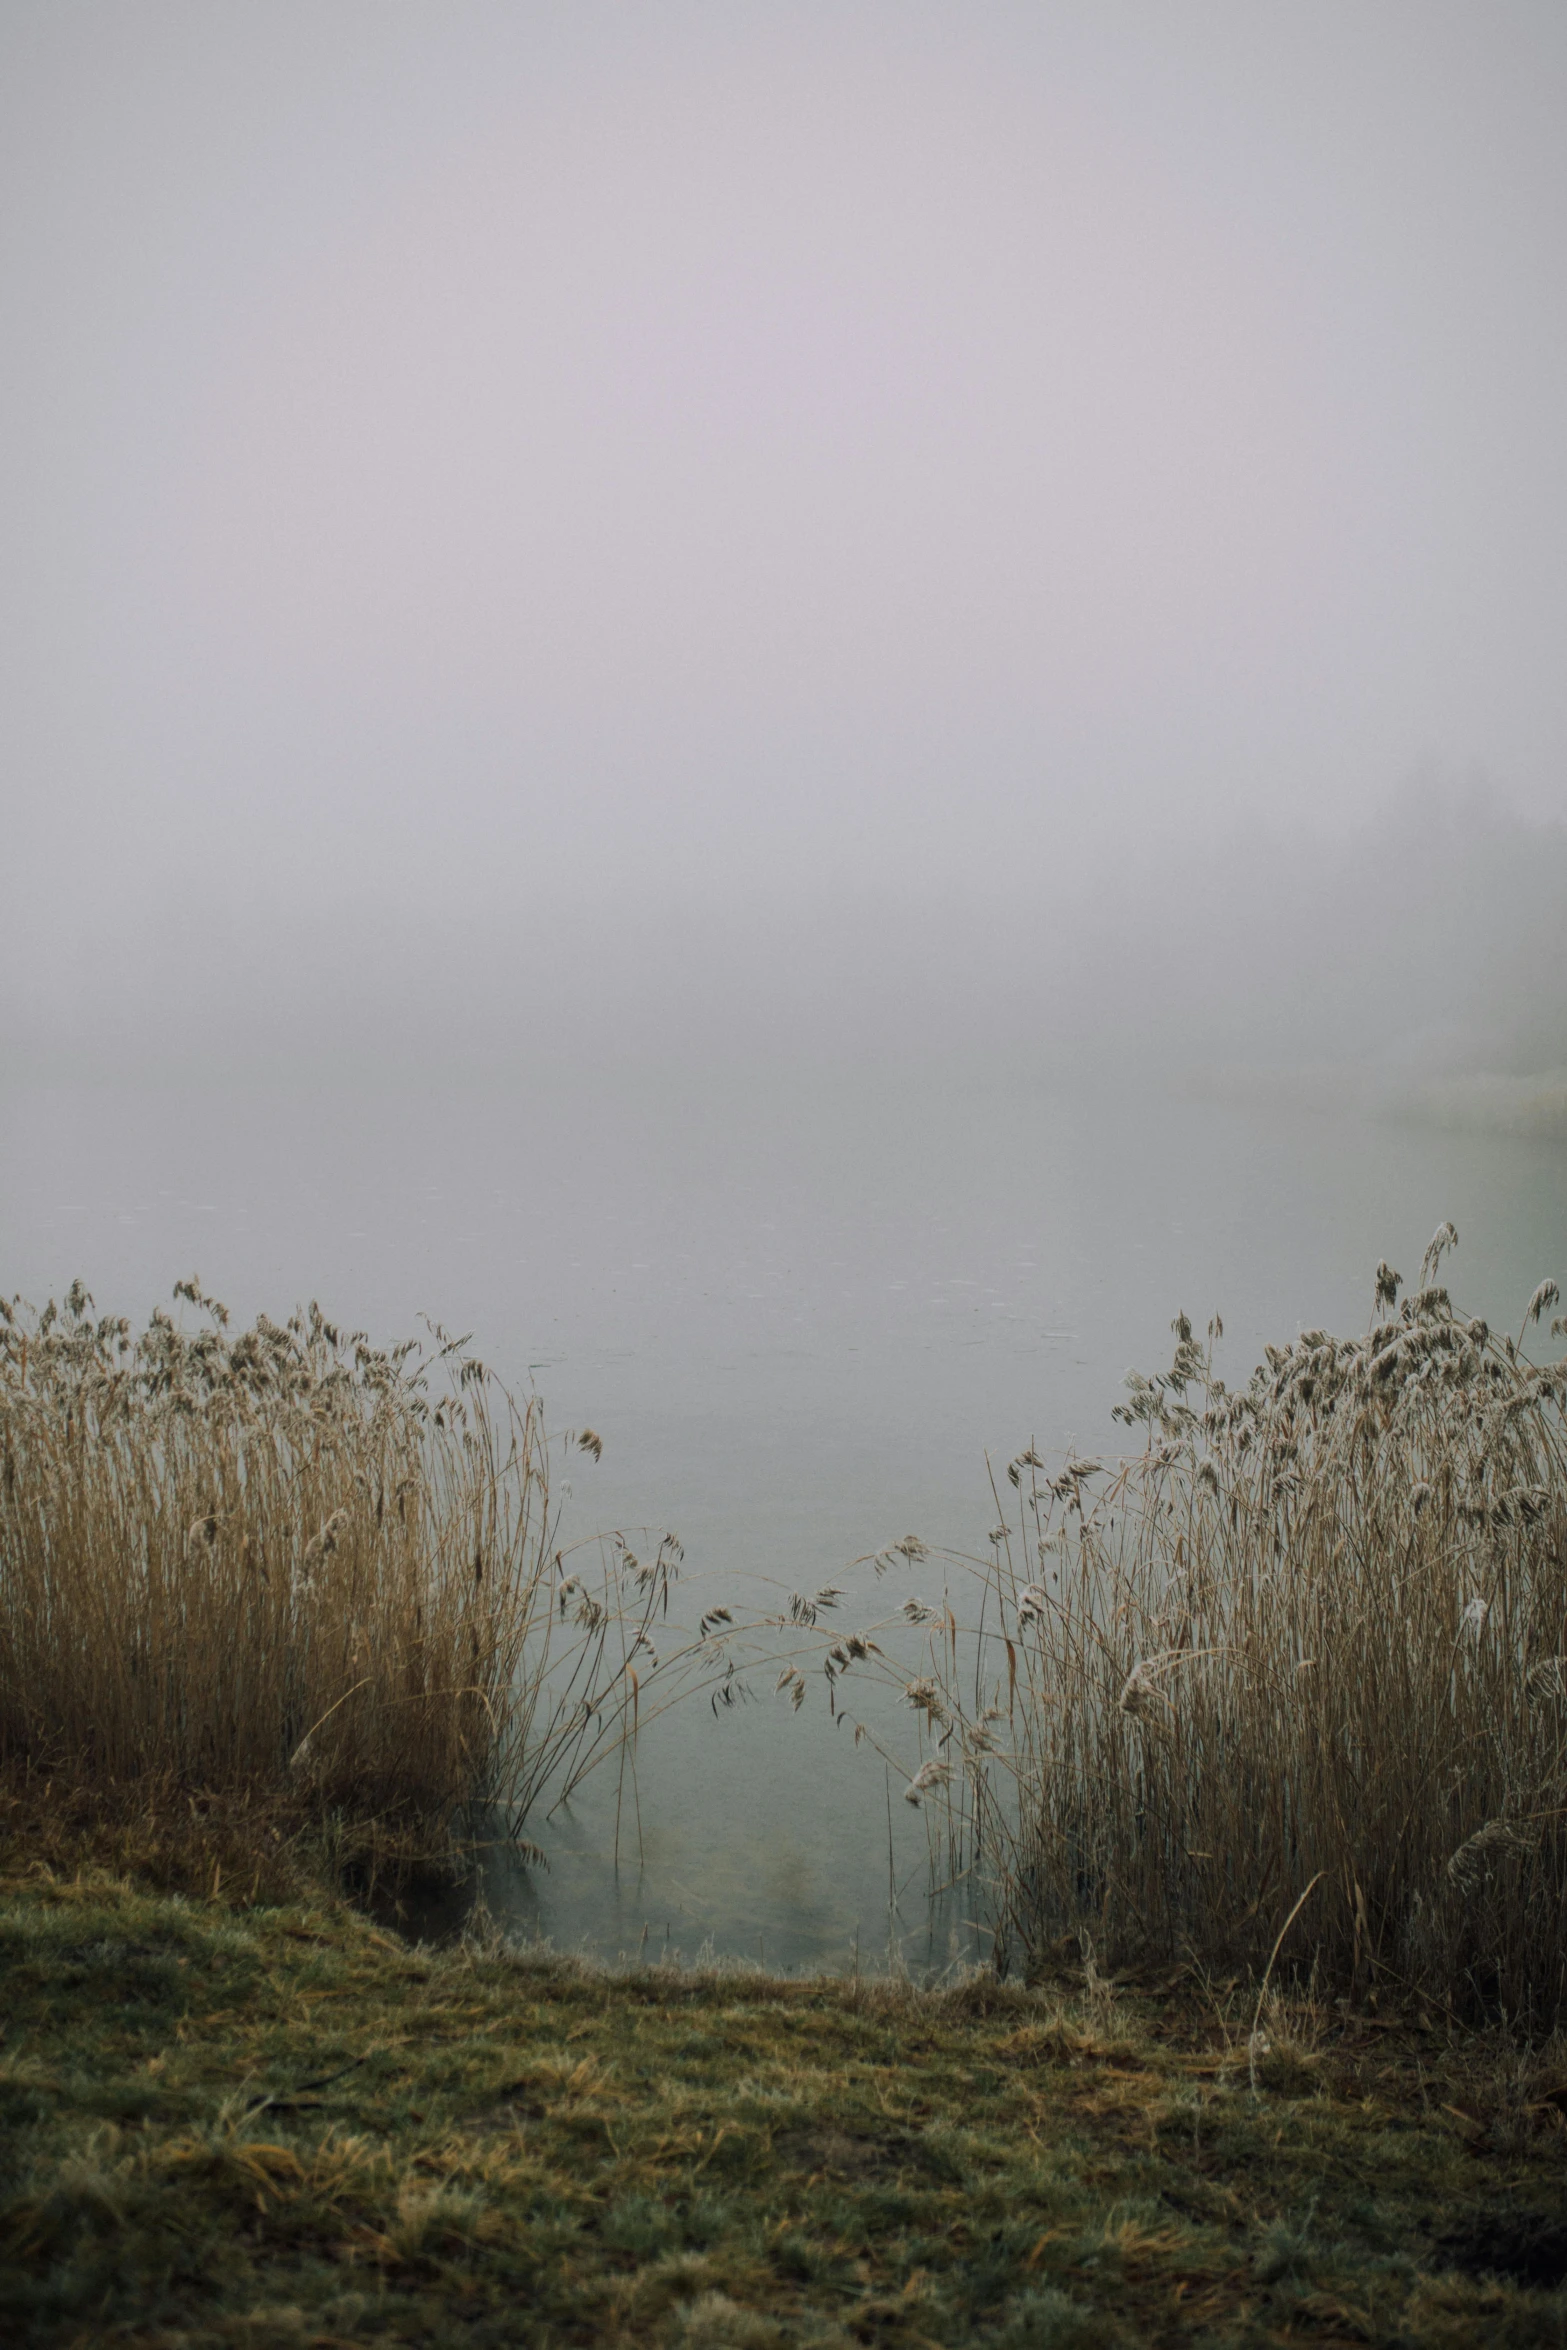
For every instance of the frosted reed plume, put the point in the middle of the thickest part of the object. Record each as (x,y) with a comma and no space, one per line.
(1313,1632)
(1315,1624)
(289,1560)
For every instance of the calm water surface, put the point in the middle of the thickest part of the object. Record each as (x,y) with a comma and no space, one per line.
(799,1315)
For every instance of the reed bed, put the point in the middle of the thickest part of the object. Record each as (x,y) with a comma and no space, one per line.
(1288,1688)
(1283,1692)
(288,1562)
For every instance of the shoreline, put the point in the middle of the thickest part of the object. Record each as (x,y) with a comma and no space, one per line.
(280,2125)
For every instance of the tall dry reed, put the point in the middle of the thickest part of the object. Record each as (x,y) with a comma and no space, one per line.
(1301,1661)
(1313,1635)
(288,1560)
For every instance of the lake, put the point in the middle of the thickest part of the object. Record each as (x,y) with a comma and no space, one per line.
(799,1314)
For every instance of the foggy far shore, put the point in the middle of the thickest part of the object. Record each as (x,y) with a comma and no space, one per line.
(1413,967)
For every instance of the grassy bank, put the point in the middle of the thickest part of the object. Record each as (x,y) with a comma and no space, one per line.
(1281,1701)
(276,2125)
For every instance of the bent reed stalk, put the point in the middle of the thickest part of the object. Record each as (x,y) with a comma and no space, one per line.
(288,1561)
(1314,1634)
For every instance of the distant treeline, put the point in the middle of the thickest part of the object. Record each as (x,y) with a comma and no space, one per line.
(1417,962)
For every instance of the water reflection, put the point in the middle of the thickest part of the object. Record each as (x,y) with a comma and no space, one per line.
(778,1913)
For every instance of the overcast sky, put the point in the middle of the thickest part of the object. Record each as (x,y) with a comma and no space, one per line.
(492,459)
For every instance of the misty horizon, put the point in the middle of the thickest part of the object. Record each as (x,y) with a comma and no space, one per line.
(1411,962)
(888,537)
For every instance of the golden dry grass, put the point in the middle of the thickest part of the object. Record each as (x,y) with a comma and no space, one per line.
(1300,1663)
(289,1564)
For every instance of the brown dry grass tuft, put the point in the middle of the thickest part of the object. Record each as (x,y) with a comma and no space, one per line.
(1286,1690)
(1306,1652)
(291,1571)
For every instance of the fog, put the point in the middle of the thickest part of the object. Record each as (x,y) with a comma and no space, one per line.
(1023,539)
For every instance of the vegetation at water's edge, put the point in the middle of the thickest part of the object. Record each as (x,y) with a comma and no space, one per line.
(286,1565)
(1282,1698)
(275,2126)
(1287,1685)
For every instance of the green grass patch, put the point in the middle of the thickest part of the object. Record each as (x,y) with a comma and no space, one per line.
(277,2125)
